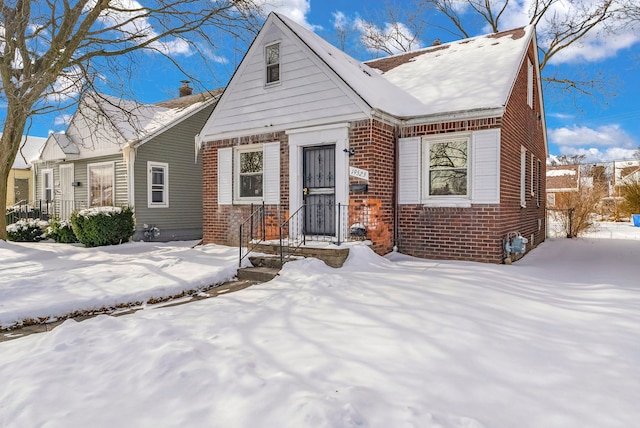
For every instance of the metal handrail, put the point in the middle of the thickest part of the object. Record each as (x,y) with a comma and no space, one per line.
(296,216)
(257,214)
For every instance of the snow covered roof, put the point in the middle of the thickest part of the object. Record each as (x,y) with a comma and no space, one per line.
(465,75)
(30,148)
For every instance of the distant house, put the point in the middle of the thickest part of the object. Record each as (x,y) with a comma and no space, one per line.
(123,153)
(439,153)
(562,180)
(20,185)
(626,172)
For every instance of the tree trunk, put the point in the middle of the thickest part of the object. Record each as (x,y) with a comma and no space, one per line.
(9,145)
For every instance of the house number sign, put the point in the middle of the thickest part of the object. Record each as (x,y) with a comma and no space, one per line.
(359,173)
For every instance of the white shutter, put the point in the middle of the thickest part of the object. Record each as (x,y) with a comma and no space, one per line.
(225,176)
(409,171)
(271,173)
(486,166)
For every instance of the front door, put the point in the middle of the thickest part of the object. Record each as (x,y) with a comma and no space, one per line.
(319,172)
(67,200)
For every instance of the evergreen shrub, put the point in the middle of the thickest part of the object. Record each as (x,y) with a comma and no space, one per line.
(95,227)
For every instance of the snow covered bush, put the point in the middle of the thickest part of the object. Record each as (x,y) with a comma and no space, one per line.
(99,226)
(61,231)
(631,194)
(27,230)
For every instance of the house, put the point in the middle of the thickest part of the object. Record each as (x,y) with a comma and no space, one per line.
(626,172)
(123,153)
(562,181)
(438,153)
(20,185)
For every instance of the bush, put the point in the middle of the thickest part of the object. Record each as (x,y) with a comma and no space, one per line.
(99,226)
(26,230)
(631,194)
(61,231)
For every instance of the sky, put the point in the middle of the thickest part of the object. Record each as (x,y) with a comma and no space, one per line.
(389,341)
(602,127)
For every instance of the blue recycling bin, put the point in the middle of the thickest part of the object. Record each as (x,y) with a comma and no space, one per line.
(635,218)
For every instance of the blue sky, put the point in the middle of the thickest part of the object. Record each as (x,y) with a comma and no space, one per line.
(604,127)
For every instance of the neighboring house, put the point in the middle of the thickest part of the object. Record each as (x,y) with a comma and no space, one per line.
(123,153)
(626,172)
(20,185)
(562,181)
(439,153)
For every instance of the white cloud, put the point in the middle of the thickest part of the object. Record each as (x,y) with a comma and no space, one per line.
(563,116)
(296,10)
(63,119)
(603,136)
(604,143)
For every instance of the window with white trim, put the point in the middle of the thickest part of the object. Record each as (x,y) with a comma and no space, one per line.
(248,173)
(47,185)
(272,63)
(446,167)
(523,175)
(529,83)
(157,185)
(539,182)
(101,179)
(533,173)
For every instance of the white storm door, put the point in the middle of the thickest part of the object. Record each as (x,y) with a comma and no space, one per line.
(67,199)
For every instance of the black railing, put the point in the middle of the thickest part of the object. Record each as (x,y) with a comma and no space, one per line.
(292,234)
(42,210)
(252,231)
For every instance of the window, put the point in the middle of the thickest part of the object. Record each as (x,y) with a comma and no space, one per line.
(157,185)
(101,184)
(446,173)
(523,175)
(272,60)
(529,83)
(533,170)
(539,182)
(47,185)
(249,164)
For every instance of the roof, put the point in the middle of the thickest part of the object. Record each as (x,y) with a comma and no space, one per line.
(466,75)
(30,148)
(563,177)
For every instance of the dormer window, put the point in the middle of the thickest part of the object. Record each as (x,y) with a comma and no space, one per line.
(272,56)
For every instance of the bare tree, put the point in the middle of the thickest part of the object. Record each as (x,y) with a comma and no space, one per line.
(53,50)
(401,32)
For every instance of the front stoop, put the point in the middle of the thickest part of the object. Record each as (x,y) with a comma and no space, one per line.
(257,274)
(334,257)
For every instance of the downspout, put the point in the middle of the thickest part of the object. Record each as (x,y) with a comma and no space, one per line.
(396,150)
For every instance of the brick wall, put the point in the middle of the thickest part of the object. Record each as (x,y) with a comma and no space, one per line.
(221,222)
(373,142)
(477,233)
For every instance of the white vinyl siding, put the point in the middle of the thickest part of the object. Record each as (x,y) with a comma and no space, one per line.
(157,185)
(225,176)
(308,94)
(483,169)
(409,171)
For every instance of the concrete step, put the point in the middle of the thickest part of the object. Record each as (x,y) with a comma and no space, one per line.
(265,261)
(257,274)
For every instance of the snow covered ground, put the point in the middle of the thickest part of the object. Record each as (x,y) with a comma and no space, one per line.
(550,341)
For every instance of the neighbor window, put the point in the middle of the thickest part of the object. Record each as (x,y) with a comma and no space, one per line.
(272,59)
(101,184)
(47,185)
(157,184)
(249,167)
(446,169)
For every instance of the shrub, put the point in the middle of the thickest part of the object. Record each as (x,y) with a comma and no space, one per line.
(26,230)
(99,226)
(61,231)
(631,194)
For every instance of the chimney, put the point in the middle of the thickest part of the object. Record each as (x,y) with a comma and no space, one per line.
(185,89)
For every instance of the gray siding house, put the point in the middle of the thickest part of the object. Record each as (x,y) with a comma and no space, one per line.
(122,153)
